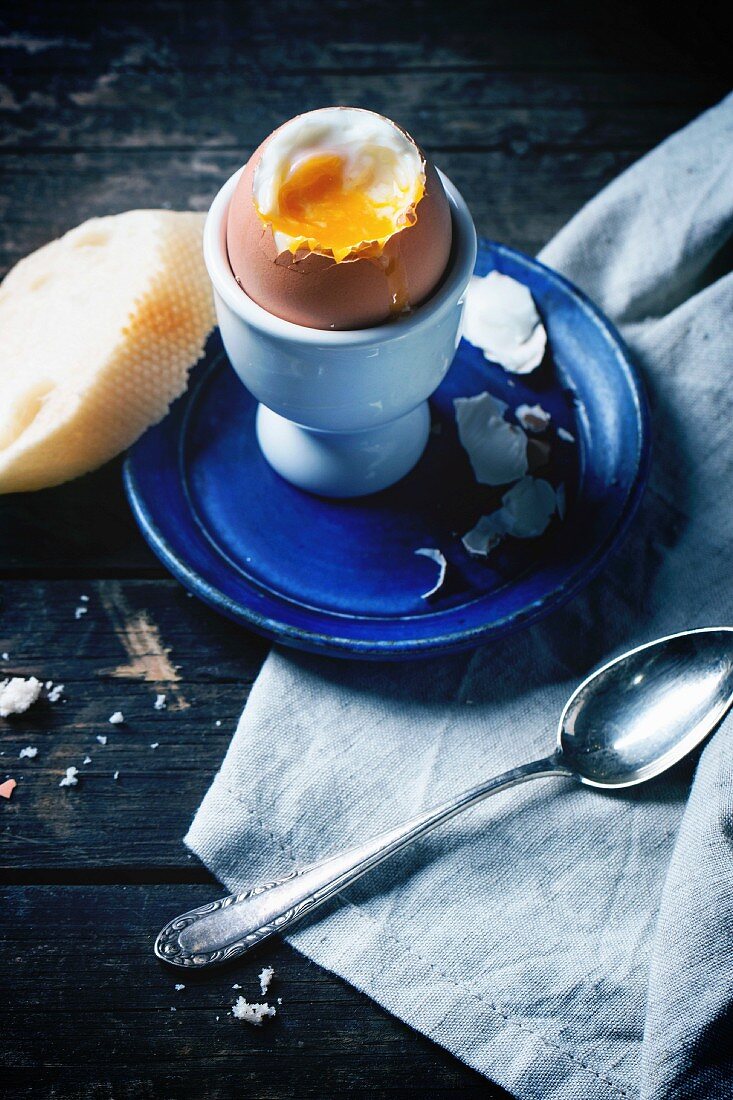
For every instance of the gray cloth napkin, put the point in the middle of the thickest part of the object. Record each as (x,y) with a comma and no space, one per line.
(562,942)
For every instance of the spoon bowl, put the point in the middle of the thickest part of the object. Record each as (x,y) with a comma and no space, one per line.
(644,711)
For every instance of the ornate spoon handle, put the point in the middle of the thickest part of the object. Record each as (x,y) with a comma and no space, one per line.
(229,927)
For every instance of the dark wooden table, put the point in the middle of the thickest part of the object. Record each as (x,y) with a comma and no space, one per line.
(530,108)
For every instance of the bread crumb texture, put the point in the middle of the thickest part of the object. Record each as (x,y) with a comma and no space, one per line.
(100,329)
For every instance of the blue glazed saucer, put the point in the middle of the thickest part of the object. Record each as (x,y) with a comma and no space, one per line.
(341,576)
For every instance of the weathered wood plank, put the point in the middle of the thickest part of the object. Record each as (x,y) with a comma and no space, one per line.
(339,34)
(83,528)
(136,640)
(521,196)
(179,109)
(86,1011)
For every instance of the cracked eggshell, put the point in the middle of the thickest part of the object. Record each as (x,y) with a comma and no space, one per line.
(439,559)
(496,449)
(528,507)
(533,418)
(500,317)
(485,536)
(313,290)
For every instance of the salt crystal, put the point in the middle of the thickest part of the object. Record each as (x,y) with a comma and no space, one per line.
(87,760)
(102,738)
(6,656)
(252,1013)
(266,975)
(154,744)
(217,723)
(18,694)
(80,611)
(180,986)
(84,599)
(55,693)
(116,775)
(159,703)
(30,751)
(563,433)
(70,779)
(116,718)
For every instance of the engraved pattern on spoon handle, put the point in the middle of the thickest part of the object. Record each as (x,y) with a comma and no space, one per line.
(232,925)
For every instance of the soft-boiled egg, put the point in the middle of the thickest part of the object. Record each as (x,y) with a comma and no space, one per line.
(338,221)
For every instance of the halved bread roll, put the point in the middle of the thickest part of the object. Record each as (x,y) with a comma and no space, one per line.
(98,332)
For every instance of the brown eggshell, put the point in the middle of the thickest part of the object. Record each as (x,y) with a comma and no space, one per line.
(315,291)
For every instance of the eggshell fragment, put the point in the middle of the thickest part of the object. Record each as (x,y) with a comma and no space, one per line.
(525,513)
(496,449)
(314,290)
(528,507)
(500,317)
(439,559)
(533,418)
(7,788)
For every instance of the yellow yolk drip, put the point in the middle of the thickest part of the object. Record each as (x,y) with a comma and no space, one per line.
(318,212)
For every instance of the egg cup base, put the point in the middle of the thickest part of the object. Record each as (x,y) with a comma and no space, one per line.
(343,464)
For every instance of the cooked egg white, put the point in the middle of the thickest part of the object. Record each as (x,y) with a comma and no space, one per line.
(337,180)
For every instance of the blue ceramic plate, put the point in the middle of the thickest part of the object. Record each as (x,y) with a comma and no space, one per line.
(342,577)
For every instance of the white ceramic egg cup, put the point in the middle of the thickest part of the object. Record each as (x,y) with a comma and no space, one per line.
(341,414)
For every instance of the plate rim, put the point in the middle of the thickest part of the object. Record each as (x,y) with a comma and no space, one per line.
(462,638)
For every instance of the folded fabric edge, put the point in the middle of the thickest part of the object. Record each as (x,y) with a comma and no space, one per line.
(505,1048)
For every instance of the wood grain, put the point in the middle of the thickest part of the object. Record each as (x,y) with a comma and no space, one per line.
(120,1033)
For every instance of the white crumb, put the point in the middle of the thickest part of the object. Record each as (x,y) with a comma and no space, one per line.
(102,738)
(117,718)
(84,599)
(81,610)
(563,433)
(154,744)
(172,1009)
(116,775)
(48,685)
(87,760)
(70,779)
(159,703)
(54,693)
(180,986)
(266,975)
(252,1013)
(30,751)
(18,694)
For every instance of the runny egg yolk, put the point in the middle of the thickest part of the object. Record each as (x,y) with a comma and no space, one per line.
(315,206)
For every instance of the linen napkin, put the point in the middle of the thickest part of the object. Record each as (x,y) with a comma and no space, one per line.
(561,941)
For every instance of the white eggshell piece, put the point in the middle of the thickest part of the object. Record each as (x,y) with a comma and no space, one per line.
(439,559)
(497,450)
(528,507)
(533,418)
(500,317)
(488,533)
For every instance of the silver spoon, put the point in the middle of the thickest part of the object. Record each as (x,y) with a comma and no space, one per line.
(628,722)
